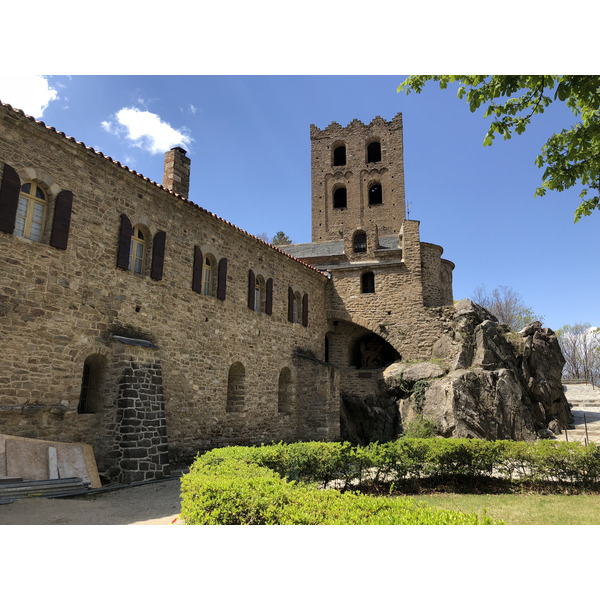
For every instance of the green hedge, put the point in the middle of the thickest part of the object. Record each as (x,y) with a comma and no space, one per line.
(282,483)
(545,461)
(227,487)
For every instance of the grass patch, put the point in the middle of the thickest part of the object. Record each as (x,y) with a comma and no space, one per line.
(522,509)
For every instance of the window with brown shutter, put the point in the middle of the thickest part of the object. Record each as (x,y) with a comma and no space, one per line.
(305,310)
(197,274)
(158,255)
(291,305)
(62,220)
(124,243)
(222,283)
(9,199)
(251,288)
(269,297)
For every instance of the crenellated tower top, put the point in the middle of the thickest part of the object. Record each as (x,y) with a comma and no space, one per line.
(357,176)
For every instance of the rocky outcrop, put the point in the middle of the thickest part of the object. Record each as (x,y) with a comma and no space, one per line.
(496,384)
(364,420)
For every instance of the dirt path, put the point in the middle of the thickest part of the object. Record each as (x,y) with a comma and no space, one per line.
(155,503)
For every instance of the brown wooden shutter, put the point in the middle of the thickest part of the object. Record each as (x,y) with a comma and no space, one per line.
(290,305)
(158,255)
(197,275)
(124,243)
(305,310)
(269,297)
(9,199)
(222,279)
(251,286)
(62,220)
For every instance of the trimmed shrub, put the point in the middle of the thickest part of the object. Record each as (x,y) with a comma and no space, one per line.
(228,488)
(283,483)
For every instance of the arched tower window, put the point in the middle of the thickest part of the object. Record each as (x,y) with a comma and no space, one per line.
(340,198)
(137,251)
(339,156)
(368,283)
(360,242)
(31,212)
(374,152)
(375,194)
(236,388)
(284,404)
(92,380)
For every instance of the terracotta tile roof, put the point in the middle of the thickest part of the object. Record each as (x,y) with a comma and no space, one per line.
(179,196)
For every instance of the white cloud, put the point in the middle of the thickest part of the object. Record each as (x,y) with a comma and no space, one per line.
(147,131)
(30,93)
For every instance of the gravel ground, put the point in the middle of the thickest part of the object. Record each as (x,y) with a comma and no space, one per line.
(155,503)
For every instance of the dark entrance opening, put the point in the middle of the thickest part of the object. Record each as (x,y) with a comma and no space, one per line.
(372,352)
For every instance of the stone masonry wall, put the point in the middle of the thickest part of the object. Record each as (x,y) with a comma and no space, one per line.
(141,434)
(58,307)
(397,311)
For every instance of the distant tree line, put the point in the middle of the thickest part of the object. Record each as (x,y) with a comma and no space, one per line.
(580,345)
(506,305)
(279,239)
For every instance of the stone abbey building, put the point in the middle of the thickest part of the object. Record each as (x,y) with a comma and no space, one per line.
(134,320)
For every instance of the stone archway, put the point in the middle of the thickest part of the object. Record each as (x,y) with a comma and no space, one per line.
(367,413)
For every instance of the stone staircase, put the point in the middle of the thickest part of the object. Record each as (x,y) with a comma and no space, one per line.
(585,402)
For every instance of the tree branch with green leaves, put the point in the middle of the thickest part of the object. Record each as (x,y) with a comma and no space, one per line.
(570,157)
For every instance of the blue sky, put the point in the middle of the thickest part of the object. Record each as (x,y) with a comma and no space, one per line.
(248,140)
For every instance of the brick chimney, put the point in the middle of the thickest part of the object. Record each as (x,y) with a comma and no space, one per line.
(176,175)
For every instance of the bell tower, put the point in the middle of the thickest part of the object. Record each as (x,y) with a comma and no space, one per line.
(357,179)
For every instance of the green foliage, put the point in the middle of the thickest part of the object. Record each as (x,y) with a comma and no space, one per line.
(222,488)
(283,483)
(419,428)
(418,394)
(280,239)
(570,157)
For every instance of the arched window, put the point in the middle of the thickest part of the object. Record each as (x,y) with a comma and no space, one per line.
(375,194)
(368,283)
(236,388)
(284,404)
(374,152)
(340,198)
(360,242)
(92,380)
(137,251)
(31,212)
(208,279)
(259,294)
(339,156)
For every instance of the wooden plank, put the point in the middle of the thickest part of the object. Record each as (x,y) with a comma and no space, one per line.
(52,463)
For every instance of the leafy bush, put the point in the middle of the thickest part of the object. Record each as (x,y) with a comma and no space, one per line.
(420,428)
(229,488)
(283,483)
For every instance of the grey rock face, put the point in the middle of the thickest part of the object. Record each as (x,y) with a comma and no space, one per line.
(409,374)
(500,384)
